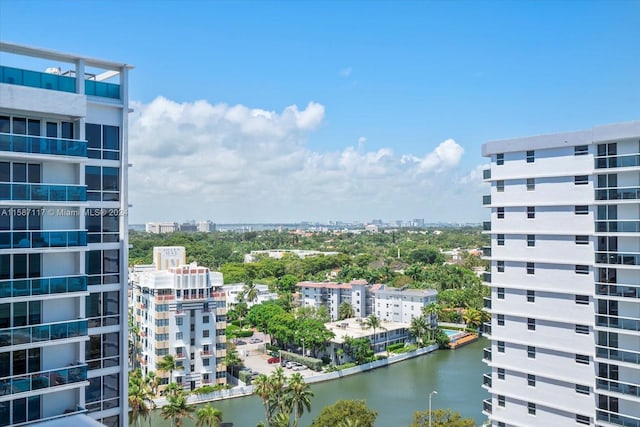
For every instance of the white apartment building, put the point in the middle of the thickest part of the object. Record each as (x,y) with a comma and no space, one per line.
(565,279)
(180,310)
(63,238)
(161,227)
(403,305)
(232,290)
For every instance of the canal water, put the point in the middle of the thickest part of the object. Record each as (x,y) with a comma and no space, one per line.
(396,391)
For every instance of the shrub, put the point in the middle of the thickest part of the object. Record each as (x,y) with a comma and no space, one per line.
(272,347)
(311,362)
(396,346)
(245,377)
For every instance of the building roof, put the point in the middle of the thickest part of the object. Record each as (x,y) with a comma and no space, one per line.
(77,420)
(353,328)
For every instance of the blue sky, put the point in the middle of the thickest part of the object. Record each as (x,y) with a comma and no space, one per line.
(380,87)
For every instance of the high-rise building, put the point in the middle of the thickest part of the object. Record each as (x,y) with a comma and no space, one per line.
(565,278)
(63,239)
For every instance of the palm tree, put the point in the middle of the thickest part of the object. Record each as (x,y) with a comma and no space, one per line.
(374,323)
(177,409)
(250,291)
(154,382)
(419,327)
(345,311)
(140,398)
(173,390)
(208,416)
(299,396)
(167,364)
(472,317)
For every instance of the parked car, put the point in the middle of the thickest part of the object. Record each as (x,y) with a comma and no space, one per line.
(273,360)
(255,341)
(289,365)
(299,368)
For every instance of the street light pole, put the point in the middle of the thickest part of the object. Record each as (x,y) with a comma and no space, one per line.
(430,395)
(303,347)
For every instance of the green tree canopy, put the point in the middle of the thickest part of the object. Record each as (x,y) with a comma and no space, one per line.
(441,418)
(354,410)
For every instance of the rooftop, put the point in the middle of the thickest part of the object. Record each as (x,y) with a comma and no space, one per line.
(353,328)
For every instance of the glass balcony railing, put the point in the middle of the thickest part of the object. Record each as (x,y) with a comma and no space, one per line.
(617,258)
(42,286)
(43,192)
(486,251)
(40,333)
(617,419)
(486,328)
(629,193)
(486,225)
(41,380)
(618,226)
(618,387)
(486,353)
(486,277)
(486,174)
(618,355)
(622,161)
(42,239)
(17,76)
(486,406)
(42,145)
(486,380)
(619,290)
(486,200)
(487,302)
(615,322)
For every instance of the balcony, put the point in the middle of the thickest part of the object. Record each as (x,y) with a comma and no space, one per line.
(16,76)
(486,225)
(486,380)
(618,226)
(221,311)
(486,200)
(43,332)
(42,145)
(615,322)
(486,406)
(42,193)
(180,356)
(486,328)
(618,387)
(205,353)
(42,239)
(625,291)
(618,355)
(486,354)
(486,302)
(616,258)
(486,251)
(617,419)
(486,277)
(622,161)
(180,313)
(42,286)
(486,174)
(44,379)
(620,193)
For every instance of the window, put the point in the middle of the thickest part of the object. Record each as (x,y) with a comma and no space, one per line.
(581,150)
(205,333)
(500,265)
(205,362)
(582,269)
(500,346)
(500,159)
(531,352)
(500,293)
(531,407)
(205,319)
(531,184)
(531,380)
(583,419)
(582,329)
(531,268)
(102,141)
(178,335)
(531,212)
(581,180)
(582,240)
(582,299)
(500,319)
(500,239)
(179,321)
(500,373)
(500,213)
(500,185)
(582,359)
(531,296)
(531,156)
(531,240)
(531,324)
(501,400)
(582,389)
(581,210)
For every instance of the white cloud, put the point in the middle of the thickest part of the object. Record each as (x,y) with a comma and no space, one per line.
(235,164)
(346,72)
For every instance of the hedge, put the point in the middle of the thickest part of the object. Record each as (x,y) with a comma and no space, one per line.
(311,362)
(396,346)
(272,347)
(245,377)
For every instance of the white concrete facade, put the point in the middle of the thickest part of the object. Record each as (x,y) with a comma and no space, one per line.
(232,290)
(63,239)
(565,279)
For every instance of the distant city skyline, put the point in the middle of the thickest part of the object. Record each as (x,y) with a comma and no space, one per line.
(259,111)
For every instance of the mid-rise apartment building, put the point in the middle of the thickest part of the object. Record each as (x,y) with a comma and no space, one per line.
(565,278)
(232,291)
(63,238)
(180,310)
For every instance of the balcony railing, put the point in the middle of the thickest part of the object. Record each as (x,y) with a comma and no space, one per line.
(617,419)
(486,251)
(618,387)
(486,225)
(487,302)
(43,193)
(622,161)
(618,355)
(42,145)
(180,356)
(629,193)
(40,333)
(486,406)
(42,239)
(42,286)
(617,258)
(486,200)
(43,379)
(486,328)
(486,380)
(618,226)
(486,353)
(50,81)
(626,291)
(616,322)
(486,174)
(486,277)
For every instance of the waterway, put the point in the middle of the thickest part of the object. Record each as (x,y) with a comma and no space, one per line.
(396,391)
